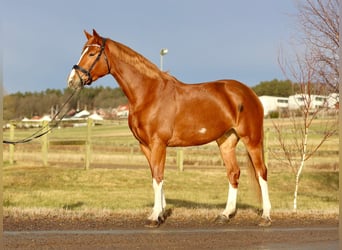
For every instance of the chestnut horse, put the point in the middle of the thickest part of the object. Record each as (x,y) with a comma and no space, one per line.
(164,112)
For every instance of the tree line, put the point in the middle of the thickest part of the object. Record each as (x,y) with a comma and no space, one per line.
(19,105)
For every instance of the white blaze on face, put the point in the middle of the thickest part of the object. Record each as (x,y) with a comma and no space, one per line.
(84,52)
(71,75)
(73,72)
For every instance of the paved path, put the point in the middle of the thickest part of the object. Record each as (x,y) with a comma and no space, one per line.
(177,238)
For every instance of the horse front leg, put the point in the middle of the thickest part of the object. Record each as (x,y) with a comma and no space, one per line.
(156,158)
(157,216)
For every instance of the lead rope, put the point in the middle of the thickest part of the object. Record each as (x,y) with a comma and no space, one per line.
(39,133)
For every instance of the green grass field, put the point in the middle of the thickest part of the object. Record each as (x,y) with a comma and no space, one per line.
(130,189)
(65,185)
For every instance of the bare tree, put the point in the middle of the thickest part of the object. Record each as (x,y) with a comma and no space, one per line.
(319,24)
(316,72)
(293,135)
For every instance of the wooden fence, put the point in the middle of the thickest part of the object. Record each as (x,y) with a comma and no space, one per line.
(87,147)
(86,143)
(45,143)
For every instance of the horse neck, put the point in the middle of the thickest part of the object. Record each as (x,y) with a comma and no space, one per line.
(136,76)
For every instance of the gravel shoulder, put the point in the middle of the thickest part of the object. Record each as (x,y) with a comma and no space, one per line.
(180,231)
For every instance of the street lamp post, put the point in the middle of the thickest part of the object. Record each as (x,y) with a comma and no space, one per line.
(180,154)
(162,53)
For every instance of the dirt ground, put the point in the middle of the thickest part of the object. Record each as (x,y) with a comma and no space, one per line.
(288,231)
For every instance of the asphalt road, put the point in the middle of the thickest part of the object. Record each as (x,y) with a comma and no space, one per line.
(318,237)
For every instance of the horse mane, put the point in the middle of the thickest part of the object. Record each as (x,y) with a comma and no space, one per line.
(139,62)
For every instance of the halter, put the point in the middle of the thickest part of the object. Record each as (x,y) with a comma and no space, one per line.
(87,72)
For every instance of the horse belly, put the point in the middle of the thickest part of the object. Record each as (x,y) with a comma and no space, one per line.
(201,120)
(197,133)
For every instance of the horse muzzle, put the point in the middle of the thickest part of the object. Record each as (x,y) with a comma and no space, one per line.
(74,82)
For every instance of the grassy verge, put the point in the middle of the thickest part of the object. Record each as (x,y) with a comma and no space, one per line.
(116,190)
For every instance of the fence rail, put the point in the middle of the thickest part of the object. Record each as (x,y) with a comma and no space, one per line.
(48,144)
(113,144)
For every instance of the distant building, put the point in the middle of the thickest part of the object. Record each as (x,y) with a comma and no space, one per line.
(333,101)
(96,117)
(313,101)
(122,111)
(82,114)
(274,103)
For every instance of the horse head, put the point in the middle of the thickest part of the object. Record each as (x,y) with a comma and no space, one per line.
(92,64)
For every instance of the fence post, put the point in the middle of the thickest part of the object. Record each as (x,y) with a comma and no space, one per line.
(131,153)
(88,143)
(45,143)
(11,146)
(180,159)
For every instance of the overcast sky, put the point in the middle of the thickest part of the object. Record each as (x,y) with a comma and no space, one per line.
(206,39)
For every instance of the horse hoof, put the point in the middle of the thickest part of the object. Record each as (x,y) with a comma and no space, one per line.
(265,222)
(167,213)
(221,219)
(161,219)
(152,223)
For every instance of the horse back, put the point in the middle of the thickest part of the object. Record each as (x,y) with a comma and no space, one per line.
(206,111)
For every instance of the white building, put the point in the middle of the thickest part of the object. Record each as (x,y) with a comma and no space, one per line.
(314,101)
(82,114)
(122,111)
(333,101)
(96,117)
(274,103)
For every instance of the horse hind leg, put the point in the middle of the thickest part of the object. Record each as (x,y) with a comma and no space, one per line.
(256,157)
(227,145)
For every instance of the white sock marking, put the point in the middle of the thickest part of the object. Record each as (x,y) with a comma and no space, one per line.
(159,200)
(266,204)
(231,201)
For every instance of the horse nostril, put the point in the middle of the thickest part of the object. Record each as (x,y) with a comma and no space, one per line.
(70,82)
(74,84)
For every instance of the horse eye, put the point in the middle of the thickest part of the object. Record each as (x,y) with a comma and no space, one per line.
(92,54)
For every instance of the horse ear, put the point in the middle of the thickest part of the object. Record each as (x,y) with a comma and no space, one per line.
(95,33)
(87,34)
